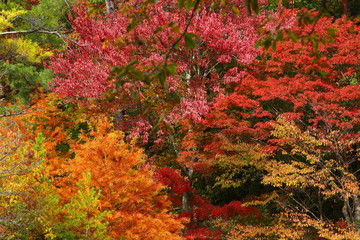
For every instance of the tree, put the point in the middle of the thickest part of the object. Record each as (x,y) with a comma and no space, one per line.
(325,161)
(199,209)
(312,82)
(27,204)
(129,192)
(83,218)
(144,60)
(163,81)
(156,70)
(28,34)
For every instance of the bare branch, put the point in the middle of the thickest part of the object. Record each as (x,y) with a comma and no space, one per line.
(62,36)
(110,7)
(19,113)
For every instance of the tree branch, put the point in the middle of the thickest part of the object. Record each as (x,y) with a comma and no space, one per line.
(110,7)
(40,31)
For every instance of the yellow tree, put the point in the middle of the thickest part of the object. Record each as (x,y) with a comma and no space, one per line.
(27,207)
(322,161)
(17,48)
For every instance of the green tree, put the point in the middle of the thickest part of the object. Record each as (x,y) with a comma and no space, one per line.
(83,217)
(29,35)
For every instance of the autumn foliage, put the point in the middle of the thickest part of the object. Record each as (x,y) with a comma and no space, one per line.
(295,116)
(179,119)
(152,74)
(128,190)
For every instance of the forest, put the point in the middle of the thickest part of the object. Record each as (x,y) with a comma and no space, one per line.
(179,119)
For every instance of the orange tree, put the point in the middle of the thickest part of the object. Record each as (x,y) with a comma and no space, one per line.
(126,184)
(160,73)
(117,195)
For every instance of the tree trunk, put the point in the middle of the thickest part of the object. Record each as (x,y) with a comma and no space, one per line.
(110,7)
(186,197)
(357,212)
(346,210)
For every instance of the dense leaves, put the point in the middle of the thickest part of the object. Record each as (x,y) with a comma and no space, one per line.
(158,77)
(313,84)
(179,120)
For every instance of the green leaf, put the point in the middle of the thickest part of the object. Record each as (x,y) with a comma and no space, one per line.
(159,29)
(40,138)
(171,68)
(176,46)
(181,3)
(132,24)
(134,95)
(132,62)
(189,40)
(248,6)
(38,145)
(331,32)
(258,43)
(267,42)
(322,73)
(255,6)
(236,10)
(193,35)
(291,35)
(189,4)
(162,77)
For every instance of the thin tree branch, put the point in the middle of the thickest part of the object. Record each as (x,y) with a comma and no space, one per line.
(41,31)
